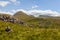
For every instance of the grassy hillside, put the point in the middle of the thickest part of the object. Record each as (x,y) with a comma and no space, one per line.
(21,32)
(45,22)
(36,29)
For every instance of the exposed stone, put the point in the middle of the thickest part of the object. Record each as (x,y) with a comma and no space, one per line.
(7,29)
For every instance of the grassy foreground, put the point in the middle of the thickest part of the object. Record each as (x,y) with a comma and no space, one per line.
(20,32)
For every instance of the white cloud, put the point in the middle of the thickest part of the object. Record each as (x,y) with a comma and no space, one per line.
(44,12)
(17,3)
(35,12)
(35,6)
(38,12)
(14,11)
(2,12)
(13,0)
(5,12)
(4,3)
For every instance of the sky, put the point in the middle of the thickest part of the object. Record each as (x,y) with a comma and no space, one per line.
(33,7)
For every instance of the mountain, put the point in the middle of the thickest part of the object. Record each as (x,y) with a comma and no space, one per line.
(44,16)
(22,16)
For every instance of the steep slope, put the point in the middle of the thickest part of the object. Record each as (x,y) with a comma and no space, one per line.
(22,16)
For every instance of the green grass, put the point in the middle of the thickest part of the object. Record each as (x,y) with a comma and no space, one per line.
(21,32)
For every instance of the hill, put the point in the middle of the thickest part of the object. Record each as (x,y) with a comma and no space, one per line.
(23,16)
